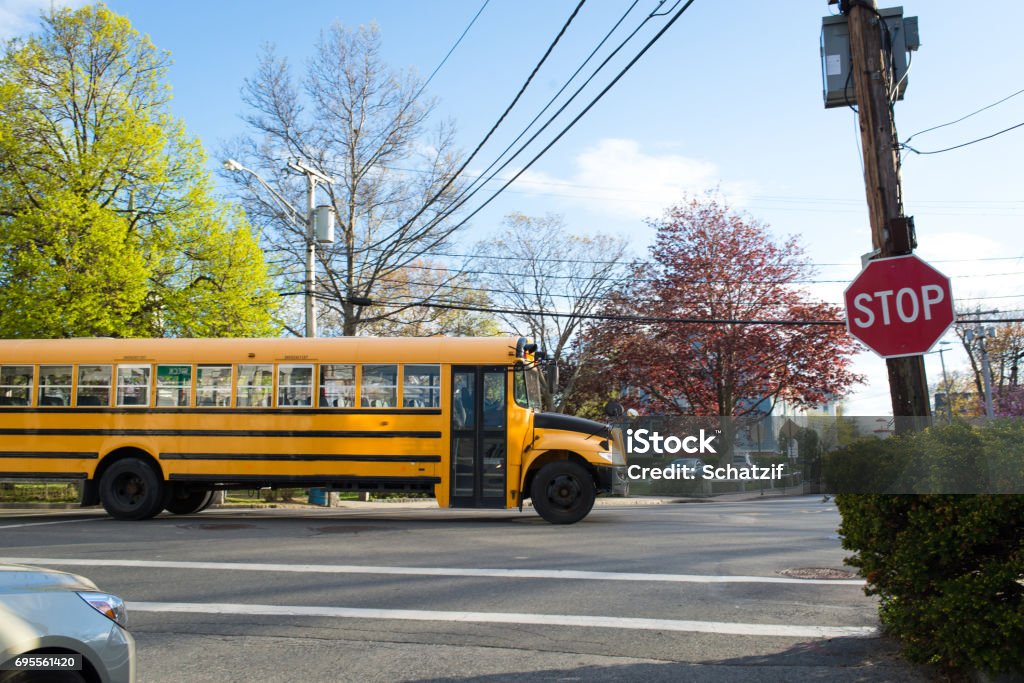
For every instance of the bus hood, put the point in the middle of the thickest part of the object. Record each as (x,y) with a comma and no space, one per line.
(571,423)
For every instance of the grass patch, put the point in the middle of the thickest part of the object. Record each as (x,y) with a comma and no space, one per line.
(39,493)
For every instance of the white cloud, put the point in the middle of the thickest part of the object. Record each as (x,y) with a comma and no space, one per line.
(18,17)
(615,176)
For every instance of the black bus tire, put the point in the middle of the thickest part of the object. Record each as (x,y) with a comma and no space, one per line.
(184,502)
(208,502)
(131,489)
(563,492)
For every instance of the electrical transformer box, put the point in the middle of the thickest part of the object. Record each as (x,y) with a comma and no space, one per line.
(835,54)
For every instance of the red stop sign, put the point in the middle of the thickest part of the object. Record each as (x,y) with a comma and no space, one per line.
(899,306)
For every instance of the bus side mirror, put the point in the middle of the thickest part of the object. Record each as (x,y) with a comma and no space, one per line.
(551,376)
(613,409)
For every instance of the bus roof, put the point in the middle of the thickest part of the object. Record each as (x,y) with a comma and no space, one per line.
(468,350)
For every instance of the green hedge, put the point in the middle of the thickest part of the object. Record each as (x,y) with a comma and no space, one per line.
(948,569)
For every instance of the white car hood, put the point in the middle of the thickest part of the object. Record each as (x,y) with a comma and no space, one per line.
(16,578)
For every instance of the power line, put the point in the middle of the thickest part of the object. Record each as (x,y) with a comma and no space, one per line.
(565,130)
(962,118)
(964,144)
(487,137)
(637,318)
(619,318)
(811,264)
(698,280)
(468,192)
(434,72)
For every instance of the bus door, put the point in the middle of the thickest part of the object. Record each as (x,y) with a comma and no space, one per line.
(479,424)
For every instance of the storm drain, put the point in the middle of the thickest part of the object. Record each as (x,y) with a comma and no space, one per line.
(818,573)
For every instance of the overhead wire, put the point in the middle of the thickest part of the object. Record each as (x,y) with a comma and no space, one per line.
(444,188)
(564,130)
(964,144)
(469,191)
(457,42)
(965,117)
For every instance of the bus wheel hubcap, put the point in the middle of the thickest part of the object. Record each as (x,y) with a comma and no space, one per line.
(563,491)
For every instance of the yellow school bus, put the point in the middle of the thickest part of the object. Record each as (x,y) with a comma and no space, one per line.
(159,424)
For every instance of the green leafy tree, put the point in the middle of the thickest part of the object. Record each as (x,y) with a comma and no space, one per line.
(108,225)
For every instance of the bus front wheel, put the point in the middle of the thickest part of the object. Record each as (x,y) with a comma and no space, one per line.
(185,502)
(132,489)
(563,492)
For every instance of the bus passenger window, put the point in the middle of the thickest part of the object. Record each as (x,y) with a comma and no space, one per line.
(255,385)
(173,385)
(422,387)
(294,385)
(213,386)
(380,386)
(337,386)
(54,385)
(133,385)
(15,385)
(94,385)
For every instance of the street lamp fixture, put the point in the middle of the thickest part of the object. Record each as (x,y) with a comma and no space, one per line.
(309,220)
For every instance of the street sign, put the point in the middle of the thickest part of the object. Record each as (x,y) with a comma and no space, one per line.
(899,306)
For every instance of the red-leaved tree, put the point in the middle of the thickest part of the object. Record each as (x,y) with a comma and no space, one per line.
(709,262)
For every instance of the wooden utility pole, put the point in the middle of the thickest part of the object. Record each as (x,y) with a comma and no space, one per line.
(890,233)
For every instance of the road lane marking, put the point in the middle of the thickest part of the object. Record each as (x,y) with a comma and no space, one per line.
(632,623)
(61,521)
(568,574)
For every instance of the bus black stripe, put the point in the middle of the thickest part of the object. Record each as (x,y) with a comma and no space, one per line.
(59,455)
(304,457)
(143,410)
(316,479)
(291,434)
(44,475)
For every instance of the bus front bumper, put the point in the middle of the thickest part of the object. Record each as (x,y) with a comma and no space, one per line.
(612,481)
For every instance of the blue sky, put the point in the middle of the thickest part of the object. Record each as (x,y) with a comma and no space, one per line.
(729,97)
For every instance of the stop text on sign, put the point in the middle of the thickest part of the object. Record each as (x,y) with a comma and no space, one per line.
(899,306)
(907,303)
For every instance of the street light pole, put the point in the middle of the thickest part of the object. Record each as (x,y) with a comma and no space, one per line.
(977,336)
(312,176)
(308,220)
(945,383)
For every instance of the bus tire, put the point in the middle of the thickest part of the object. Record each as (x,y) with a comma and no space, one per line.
(563,492)
(185,502)
(131,489)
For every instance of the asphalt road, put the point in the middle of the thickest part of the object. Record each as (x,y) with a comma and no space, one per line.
(655,593)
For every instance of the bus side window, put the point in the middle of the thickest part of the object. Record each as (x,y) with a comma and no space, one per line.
(94,385)
(337,386)
(213,386)
(294,385)
(255,386)
(15,385)
(422,386)
(133,385)
(54,385)
(380,386)
(173,385)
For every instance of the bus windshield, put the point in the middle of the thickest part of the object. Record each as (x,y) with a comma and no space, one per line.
(527,386)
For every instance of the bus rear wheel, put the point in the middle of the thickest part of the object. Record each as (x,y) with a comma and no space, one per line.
(563,492)
(186,502)
(131,489)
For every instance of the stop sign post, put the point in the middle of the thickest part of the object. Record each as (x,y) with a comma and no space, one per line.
(899,306)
